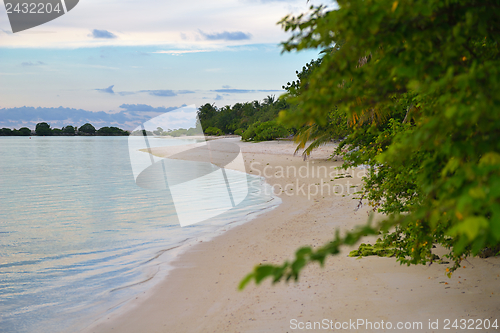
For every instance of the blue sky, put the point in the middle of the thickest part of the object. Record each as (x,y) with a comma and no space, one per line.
(104,54)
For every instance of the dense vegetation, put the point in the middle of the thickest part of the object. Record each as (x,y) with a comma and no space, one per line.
(44,129)
(412,87)
(175,133)
(23,131)
(254,121)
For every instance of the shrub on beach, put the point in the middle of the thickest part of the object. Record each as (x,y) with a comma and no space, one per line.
(269,130)
(249,134)
(240,116)
(239,131)
(213,131)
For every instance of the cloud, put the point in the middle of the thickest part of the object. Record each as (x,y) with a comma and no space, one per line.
(58,116)
(179,52)
(131,117)
(218,97)
(137,24)
(233,91)
(226,35)
(31,64)
(145,108)
(226,87)
(104,34)
(108,90)
(241,91)
(160,93)
(126,93)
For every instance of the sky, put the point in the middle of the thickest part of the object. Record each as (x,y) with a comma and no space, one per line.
(123,61)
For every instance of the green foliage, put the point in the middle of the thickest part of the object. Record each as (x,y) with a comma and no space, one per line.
(23,131)
(87,129)
(142,133)
(241,115)
(239,131)
(249,134)
(416,84)
(111,131)
(57,132)
(295,87)
(213,131)
(6,132)
(69,130)
(43,129)
(175,133)
(206,114)
(178,132)
(378,249)
(305,255)
(311,136)
(269,130)
(193,131)
(159,131)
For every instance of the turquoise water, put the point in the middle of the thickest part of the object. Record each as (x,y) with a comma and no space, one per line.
(78,236)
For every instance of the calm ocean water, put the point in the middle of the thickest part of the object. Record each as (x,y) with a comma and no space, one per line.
(78,236)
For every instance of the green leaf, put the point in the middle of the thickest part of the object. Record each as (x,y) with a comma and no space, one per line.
(495,221)
(477,192)
(262,272)
(303,251)
(298,265)
(470,227)
(245,281)
(452,165)
(490,158)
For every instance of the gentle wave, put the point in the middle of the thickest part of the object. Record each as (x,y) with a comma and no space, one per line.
(78,237)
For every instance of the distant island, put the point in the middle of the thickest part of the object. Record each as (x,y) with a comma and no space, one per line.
(44,129)
(254,121)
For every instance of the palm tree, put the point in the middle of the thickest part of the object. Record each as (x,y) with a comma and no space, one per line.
(269,100)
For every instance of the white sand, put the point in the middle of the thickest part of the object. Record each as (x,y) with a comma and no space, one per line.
(200,294)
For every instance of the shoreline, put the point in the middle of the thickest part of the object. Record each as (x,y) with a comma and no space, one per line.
(199,294)
(165,266)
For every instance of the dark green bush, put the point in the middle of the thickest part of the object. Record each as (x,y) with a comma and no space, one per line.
(213,131)
(239,131)
(249,134)
(269,130)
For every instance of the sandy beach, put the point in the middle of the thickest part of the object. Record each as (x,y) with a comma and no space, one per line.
(200,294)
